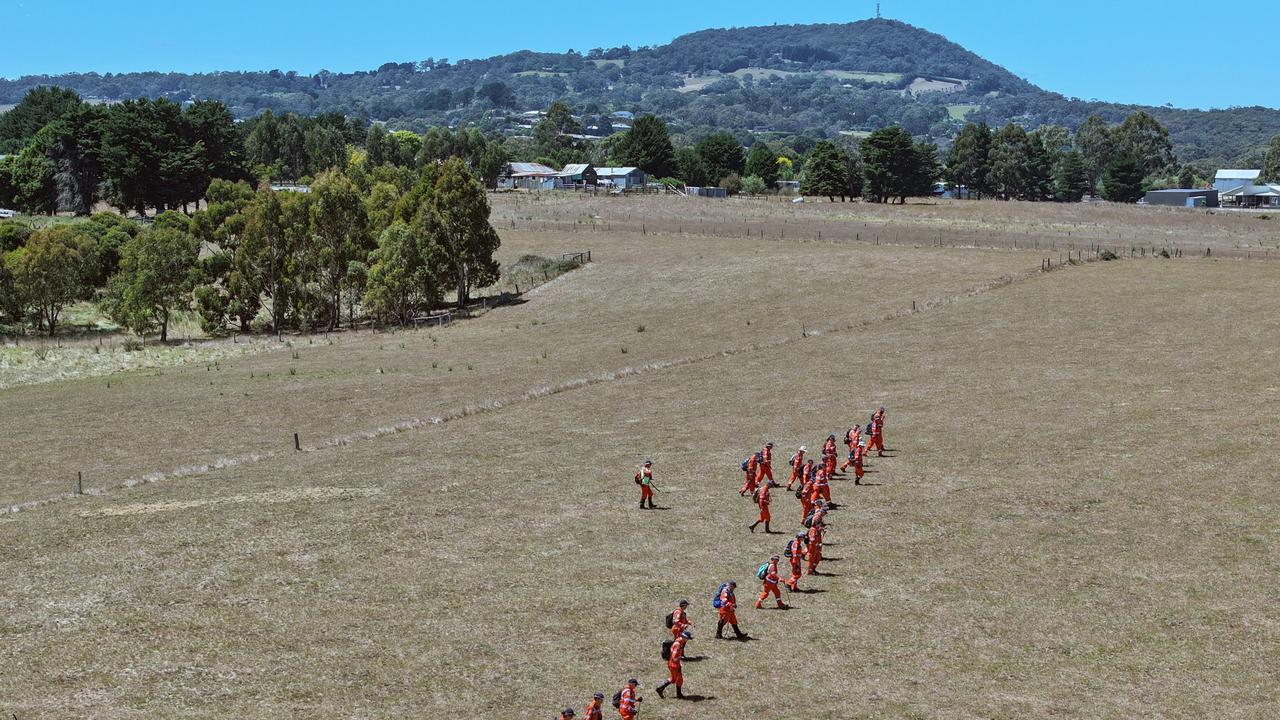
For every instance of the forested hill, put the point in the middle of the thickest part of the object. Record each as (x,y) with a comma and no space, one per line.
(784,79)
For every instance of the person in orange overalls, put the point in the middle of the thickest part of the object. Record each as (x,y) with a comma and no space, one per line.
(814,552)
(674,665)
(770,586)
(629,702)
(815,487)
(854,436)
(763,500)
(819,515)
(593,710)
(728,604)
(823,487)
(877,432)
(805,493)
(829,454)
(753,469)
(795,553)
(766,462)
(797,465)
(645,480)
(859,454)
(680,619)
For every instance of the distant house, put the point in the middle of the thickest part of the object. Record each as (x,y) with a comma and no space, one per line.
(290,187)
(1183,197)
(1231,179)
(623,114)
(578,175)
(621,177)
(1253,196)
(528,176)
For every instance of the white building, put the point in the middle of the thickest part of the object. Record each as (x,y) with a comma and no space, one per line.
(1227,180)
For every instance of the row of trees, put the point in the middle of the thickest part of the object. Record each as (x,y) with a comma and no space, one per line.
(380,242)
(156,154)
(137,154)
(1052,163)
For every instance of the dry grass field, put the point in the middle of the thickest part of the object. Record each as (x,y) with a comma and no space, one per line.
(1078,520)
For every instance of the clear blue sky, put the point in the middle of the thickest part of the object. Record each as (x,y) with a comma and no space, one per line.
(1151,52)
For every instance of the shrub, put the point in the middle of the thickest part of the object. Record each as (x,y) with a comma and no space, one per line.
(1107,255)
(754,185)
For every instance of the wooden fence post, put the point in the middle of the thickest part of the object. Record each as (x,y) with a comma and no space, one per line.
(297,444)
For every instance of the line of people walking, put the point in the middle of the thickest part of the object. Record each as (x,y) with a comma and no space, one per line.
(803,552)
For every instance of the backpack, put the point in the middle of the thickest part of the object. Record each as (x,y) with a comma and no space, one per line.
(755,496)
(868,431)
(715,599)
(847,435)
(762,571)
(666,649)
(745,463)
(670,620)
(617,699)
(808,521)
(637,478)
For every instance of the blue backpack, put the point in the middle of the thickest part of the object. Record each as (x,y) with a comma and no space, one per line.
(715,599)
(745,463)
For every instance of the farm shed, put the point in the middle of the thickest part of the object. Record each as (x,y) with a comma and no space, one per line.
(621,177)
(1183,197)
(1226,180)
(529,176)
(578,174)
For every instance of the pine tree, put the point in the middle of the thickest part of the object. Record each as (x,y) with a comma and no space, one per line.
(825,172)
(1122,180)
(762,162)
(1070,179)
(647,145)
(969,161)
(889,159)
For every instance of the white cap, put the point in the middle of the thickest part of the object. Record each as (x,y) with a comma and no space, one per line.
(804,448)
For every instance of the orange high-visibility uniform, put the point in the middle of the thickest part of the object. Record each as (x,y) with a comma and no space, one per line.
(766,464)
(795,554)
(770,585)
(819,516)
(592,711)
(749,486)
(679,621)
(829,455)
(877,433)
(728,603)
(676,674)
(797,467)
(815,548)
(627,706)
(823,488)
(763,501)
(858,454)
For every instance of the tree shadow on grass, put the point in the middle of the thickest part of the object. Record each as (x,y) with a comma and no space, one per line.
(694,697)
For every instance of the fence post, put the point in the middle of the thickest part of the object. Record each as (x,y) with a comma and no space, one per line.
(79,483)
(297,444)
